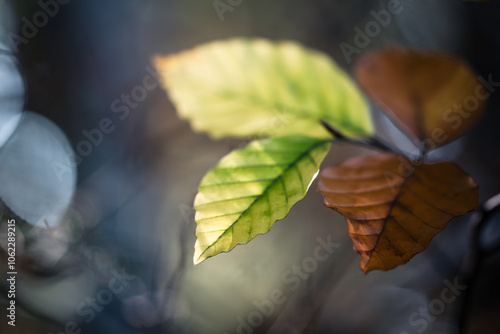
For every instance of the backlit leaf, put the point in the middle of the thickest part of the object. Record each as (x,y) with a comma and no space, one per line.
(248,88)
(251,188)
(394,208)
(430,95)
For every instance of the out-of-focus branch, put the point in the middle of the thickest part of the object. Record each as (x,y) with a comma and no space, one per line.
(476,254)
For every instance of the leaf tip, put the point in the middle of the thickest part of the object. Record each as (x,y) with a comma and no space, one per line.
(198,256)
(365,268)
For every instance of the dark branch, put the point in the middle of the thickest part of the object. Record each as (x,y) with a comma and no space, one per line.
(475,255)
(335,133)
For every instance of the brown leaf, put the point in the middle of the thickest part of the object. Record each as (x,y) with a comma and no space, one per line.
(430,95)
(394,208)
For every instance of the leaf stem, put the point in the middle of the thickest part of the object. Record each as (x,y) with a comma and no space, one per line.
(335,132)
(371,142)
(376,142)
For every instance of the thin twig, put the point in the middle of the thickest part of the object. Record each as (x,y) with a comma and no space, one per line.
(335,132)
(371,142)
(378,143)
(7,52)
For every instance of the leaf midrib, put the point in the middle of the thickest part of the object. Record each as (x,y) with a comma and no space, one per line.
(306,114)
(393,204)
(264,192)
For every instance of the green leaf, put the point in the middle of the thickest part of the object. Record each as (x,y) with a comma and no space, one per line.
(251,188)
(255,87)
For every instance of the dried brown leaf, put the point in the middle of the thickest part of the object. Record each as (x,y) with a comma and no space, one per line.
(393,207)
(431,96)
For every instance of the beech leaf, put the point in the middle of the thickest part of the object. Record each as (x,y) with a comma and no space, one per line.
(255,87)
(251,188)
(393,207)
(431,96)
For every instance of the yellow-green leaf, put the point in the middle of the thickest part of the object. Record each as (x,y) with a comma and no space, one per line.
(251,188)
(255,87)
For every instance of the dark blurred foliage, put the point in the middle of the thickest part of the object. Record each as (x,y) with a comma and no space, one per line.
(132,206)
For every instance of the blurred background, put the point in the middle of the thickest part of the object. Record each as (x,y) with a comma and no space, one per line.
(106,183)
